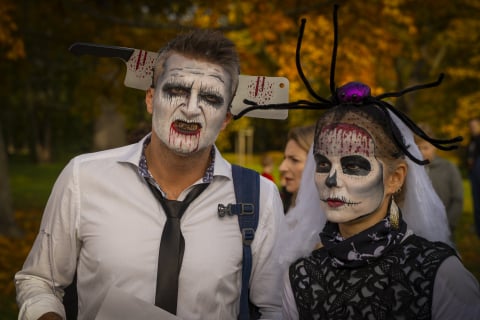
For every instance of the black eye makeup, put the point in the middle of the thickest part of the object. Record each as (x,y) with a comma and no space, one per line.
(355,165)
(323,165)
(176,90)
(211,96)
(179,89)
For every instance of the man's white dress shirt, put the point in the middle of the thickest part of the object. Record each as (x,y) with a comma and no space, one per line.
(102,213)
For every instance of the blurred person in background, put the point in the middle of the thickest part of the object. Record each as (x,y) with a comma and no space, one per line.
(473,166)
(446,179)
(299,140)
(267,167)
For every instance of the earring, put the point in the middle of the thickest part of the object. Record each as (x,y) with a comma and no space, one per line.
(394,214)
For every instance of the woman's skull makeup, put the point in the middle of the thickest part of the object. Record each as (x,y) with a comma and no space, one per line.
(190,104)
(349,178)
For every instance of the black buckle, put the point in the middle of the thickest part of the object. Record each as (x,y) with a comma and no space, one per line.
(248,234)
(246,208)
(235,209)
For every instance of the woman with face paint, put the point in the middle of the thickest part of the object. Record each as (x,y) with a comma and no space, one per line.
(366,207)
(373,260)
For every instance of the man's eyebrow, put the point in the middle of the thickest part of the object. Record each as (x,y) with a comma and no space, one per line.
(210,90)
(217,76)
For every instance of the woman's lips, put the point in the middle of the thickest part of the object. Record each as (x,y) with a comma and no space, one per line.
(335,203)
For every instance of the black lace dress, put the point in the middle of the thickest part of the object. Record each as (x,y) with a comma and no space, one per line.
(373,275)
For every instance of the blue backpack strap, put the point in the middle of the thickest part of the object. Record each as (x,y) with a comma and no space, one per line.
(246,183)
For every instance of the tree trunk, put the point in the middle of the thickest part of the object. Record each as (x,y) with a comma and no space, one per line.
(7,223)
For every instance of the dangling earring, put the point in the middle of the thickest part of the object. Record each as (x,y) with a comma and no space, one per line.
(394,214)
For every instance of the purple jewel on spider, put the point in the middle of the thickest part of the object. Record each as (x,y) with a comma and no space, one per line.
(353,92)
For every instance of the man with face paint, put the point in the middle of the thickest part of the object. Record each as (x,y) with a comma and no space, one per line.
(105,217)
(369,263)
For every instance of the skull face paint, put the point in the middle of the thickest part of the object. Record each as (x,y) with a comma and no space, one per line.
(190,104)
(348,177)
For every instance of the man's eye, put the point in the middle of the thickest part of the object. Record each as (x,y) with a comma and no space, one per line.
(213,99)
(177,91)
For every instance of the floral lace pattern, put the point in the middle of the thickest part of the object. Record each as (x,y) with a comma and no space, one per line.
(398,285)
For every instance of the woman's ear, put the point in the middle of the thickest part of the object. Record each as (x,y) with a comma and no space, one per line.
(397,178)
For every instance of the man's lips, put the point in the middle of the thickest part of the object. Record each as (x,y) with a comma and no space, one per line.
(187,128)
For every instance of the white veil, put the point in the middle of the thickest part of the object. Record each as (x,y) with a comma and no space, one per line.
(422,209)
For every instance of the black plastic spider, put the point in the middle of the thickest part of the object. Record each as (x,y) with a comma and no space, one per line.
(359,94)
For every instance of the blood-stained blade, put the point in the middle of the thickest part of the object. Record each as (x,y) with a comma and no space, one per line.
(262,90)
(140,65)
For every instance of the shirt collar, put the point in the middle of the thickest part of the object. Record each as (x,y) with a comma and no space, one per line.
(209,173)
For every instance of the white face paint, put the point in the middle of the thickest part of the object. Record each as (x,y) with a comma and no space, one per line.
(190,104)
(348,177)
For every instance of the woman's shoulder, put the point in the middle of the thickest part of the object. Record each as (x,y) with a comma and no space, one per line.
(428,246)
(456,293)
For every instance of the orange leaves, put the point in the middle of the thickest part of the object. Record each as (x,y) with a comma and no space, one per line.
(13,252)
(9,39)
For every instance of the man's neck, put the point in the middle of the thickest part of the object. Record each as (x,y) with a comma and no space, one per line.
(172,171)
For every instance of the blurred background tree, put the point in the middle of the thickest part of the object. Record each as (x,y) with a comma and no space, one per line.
(55,103)
(11,49)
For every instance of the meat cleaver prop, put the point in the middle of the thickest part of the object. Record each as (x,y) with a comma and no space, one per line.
(140,64)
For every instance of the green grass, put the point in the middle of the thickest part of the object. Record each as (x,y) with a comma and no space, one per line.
(31,185)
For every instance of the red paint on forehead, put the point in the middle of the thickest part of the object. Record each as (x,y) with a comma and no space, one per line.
(345,138)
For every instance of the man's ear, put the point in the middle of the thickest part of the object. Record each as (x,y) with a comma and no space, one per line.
(228,118)
(397,178)
(149,99)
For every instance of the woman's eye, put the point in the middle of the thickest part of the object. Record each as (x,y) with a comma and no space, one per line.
(356,165)
(323,164)
(323,167)
(352,166)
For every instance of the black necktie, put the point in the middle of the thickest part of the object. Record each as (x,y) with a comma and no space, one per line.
(172,246)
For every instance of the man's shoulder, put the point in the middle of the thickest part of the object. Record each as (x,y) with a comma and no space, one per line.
(264,182)
(116,154)
(444,163)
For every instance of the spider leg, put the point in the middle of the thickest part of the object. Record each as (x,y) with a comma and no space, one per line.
(299,65)
(399,140)
(441,144)
(410,89)
(300,104)
(334,52)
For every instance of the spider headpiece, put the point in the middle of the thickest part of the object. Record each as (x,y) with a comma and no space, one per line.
(357,94)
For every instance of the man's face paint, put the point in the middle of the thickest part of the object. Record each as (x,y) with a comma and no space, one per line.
(348,177)
(190,104)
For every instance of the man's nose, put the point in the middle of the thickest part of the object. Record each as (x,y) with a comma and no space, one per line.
(192,105)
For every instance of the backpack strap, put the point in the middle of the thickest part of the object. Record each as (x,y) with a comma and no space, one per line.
(246,183)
